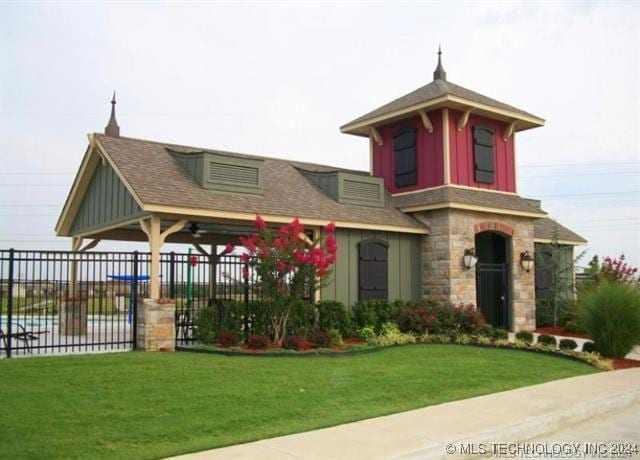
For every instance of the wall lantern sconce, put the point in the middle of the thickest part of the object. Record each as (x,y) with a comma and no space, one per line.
(526,261)
(470,259)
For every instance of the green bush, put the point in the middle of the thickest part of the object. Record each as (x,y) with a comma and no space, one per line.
(206,327)
(366,333)
(320,339)
(524,336)
(390,334)
(486,330)
(334,315)
(610,315)
(567,344)
(570,319)
(336,337)
(589,347)
(544,313)
(501,334)
(546,339)
(302,317)
(375,312)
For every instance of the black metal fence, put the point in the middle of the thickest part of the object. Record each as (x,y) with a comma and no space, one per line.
(57,302)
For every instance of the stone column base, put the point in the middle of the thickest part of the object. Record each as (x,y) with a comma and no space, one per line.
(73,317)
(156,326)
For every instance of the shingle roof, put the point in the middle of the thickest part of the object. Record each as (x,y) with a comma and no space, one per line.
(158,179)
(448,195)
(547,229)
(434,90)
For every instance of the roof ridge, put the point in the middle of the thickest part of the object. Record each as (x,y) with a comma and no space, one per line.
(294,163)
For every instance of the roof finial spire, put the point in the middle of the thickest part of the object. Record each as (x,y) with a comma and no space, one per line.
(112,129)
(439,73)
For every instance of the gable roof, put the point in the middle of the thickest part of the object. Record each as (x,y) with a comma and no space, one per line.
(452,196)
(162,185)
(441,91)
(547,229)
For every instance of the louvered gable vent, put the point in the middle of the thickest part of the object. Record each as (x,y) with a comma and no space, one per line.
(221,172)
(349,188)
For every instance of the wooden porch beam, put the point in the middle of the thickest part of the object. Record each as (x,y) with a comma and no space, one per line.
(426,121)
(464,119)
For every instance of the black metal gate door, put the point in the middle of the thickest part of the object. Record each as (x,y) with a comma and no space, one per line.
(492,293)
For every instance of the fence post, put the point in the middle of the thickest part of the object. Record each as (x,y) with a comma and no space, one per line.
(134,299)
(172,275)
(246,303)
(10,301)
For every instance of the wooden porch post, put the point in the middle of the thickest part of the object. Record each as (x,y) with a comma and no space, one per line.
(76,242)
(316,241)
(154,244)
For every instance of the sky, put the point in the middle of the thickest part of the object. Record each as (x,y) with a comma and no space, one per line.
(279,78)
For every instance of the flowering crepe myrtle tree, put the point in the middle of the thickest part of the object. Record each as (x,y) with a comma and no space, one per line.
(288,265)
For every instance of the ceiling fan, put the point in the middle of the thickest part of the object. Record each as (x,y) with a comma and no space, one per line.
(195,230)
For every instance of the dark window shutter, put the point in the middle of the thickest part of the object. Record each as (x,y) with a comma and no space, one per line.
(404,157)
(373,270)
(483,154)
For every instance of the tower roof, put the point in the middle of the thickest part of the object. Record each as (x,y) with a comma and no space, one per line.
(441,93)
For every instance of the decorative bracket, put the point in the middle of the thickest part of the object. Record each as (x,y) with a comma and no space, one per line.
(509,131)
(464,119)
(425,121)
(376,135)
(92,244)
(173,229)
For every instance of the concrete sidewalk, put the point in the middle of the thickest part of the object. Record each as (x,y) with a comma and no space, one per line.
(527,413)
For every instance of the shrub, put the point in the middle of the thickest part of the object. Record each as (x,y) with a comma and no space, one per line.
(610,314)
(206,327)
(302,317)
(334,315)
(293,342)
(501,334)
(390,334)
(438,318)
(228,339)
(366,333)
(524,336)
(544,313)
(589,347)
(486,330)
(567,344)
(375,312)
(336,337)
(258,342)
(546,339)
(467,319)
(320,339)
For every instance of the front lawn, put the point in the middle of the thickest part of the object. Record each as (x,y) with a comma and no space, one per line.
(151,405)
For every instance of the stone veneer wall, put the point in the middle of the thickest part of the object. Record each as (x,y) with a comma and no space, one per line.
(156,326)
(444,277)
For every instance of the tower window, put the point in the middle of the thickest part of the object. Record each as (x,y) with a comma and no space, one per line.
(404,157)
(483,154)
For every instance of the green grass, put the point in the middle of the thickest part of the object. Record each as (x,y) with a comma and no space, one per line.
(150,405)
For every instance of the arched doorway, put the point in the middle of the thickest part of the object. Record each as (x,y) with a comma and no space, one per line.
(492,277)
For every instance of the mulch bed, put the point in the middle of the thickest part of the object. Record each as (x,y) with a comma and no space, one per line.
(625,363)
(557,330)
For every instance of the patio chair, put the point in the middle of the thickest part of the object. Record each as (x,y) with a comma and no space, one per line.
(21,334)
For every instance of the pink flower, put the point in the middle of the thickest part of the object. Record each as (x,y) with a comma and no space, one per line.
(260,223)
(330,227)
(277,243)
(281,266)
(228,249)
(244,257)
(245,273)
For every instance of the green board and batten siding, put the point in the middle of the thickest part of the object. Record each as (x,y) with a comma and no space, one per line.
(404,266)
(106,201)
